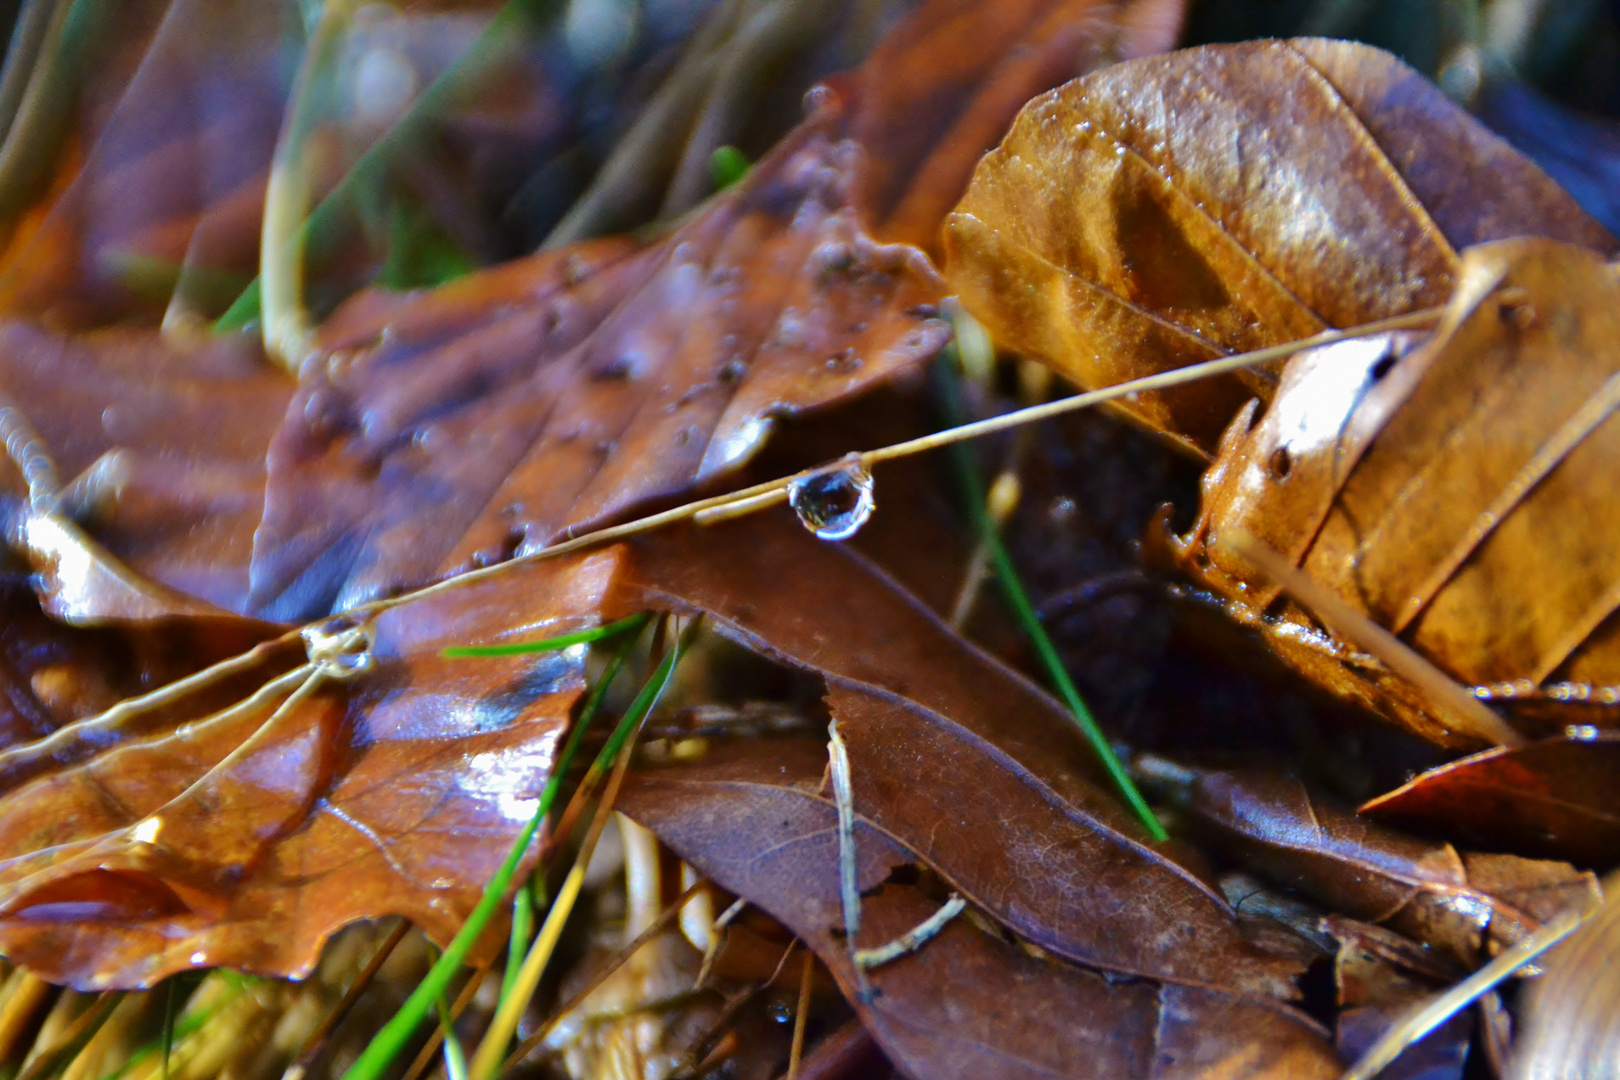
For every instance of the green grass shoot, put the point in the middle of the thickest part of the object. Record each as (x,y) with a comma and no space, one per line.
(727,166)
(1024,610)
(389,1042)
(561,641)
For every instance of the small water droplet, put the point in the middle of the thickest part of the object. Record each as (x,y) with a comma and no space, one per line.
(834,502)
(780,1011)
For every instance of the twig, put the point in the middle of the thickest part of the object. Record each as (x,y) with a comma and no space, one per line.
(317,1038)
(848,886)
(912,939)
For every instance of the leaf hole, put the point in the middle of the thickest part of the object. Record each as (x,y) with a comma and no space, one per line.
(1383,366)
(1280,464)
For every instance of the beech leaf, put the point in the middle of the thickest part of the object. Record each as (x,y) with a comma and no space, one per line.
(1173,209)
(1555,798)
(1447,487)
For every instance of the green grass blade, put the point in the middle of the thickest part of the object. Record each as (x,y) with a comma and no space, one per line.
(551,644)
(1018,598)
(390,1041)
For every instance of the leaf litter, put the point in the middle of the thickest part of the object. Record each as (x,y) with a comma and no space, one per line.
(942,711)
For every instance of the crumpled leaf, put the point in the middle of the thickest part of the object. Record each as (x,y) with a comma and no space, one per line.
(1217,200)
(1451,488)
(955,755)
(241,839)
(1458,904)
(1555,798)
(966,1004)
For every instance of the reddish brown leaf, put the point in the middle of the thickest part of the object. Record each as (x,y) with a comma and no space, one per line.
(1220,199)
(1450,489)
(966,1004)
(1425,890)
(955,755)
(245,841)
(1556,798)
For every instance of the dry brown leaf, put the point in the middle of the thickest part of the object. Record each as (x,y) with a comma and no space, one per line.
(1221,199)
(1450,488)
(955,755)
(966,1004)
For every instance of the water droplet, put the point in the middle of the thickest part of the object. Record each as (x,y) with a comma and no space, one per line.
(780,1011)
(834,502)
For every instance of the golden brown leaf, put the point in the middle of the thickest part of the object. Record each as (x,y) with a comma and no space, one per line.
(1220,199)
(1451,488)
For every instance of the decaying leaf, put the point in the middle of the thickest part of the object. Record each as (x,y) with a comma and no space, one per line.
(1556,798)
(1450,488)
(245,839)
(157,450)
(1220,199)
(1459,904)
(967,1003)
(956,756)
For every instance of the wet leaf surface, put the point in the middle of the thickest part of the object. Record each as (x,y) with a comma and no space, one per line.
(1221,199)
(243,839)
(1448,487)
(967,1003)
(929,719)
(1555,798)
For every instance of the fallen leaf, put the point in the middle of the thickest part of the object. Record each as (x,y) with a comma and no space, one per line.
(955,755)
(1555,798)
(1447,487)
(966,1004)
(1220,199)
(243,839)
(1457,904)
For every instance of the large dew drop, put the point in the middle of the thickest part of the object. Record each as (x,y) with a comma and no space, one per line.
(834,502)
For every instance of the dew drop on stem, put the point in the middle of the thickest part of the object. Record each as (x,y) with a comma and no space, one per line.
(835,501)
